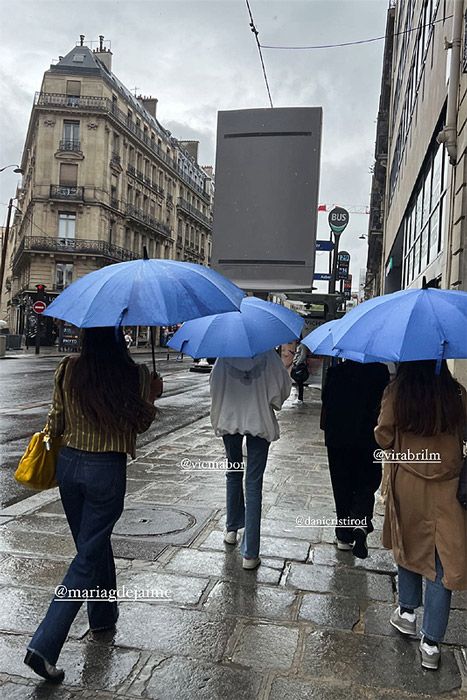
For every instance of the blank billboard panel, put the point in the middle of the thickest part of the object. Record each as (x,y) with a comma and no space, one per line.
(266,198)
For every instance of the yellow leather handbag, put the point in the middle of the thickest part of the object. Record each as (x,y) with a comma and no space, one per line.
(36,468)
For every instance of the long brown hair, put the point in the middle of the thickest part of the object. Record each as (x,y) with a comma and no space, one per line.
(104,381)
(427,403)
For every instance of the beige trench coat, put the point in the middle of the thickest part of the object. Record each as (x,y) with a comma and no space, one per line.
(422,511)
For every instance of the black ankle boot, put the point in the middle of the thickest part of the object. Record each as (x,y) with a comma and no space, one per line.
(43,668)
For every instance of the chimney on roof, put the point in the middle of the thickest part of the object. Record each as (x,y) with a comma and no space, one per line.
(81,39)
(104,55)
(191,147)
(150,104)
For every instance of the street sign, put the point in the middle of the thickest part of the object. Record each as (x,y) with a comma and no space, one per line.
(343,264)
(324,245)
(338,219)
(39,306)
(322,276)
(348,287)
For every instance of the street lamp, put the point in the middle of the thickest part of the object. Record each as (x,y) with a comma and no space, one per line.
(17,169)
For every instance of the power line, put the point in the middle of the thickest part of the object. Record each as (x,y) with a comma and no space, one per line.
(354,43)
(256,33)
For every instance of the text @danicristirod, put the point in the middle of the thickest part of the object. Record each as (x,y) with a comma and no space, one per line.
(310,521)
(110,595)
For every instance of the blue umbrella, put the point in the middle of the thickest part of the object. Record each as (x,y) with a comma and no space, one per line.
(257,327)
(321,342)
(145,293)
(413,324)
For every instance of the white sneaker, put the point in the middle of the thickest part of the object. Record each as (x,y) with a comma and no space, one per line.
(297,402)
(230,537)
(343,546)
(251,563)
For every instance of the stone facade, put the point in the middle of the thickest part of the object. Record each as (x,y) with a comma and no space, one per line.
(423,231)
(103,179)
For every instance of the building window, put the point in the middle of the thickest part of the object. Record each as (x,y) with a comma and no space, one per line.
(422,225)
(68,174)
(66,225)
(70,141)
(73,92)
(63,275)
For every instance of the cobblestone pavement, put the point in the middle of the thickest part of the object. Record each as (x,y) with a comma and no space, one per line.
(311,623)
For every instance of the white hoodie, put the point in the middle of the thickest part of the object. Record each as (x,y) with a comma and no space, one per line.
(244,393)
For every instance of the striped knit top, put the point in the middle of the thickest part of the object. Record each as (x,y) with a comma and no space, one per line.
(67,420)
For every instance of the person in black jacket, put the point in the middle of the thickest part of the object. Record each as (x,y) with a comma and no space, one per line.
(350,406)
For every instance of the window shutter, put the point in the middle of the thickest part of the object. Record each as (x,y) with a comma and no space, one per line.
(68,174)
(73,87)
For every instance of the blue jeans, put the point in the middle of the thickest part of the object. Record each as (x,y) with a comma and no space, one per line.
(243,512)
(92,489)
(437,600)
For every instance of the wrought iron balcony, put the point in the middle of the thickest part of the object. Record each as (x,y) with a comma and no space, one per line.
(48,244)
(70,145)
(53,99)
(194,212)
(149,221)
(75,194)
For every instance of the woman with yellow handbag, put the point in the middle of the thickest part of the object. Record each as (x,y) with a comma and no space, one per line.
(101,400)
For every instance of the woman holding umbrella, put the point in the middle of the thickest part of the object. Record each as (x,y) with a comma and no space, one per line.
(422,422)
(101,400)
(248,383)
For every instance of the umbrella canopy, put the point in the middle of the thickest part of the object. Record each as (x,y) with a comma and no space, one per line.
(257,327)
(413,324)
(145,293)
(321,342)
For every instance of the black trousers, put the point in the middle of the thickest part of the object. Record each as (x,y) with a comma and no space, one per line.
(355,479)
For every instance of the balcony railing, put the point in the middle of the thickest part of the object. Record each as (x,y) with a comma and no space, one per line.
(103,104)
(115,159)
(70,145)
(67,192)
(194,212)
(149,221)
(48,244)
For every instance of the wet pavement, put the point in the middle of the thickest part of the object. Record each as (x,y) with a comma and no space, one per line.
(311,623)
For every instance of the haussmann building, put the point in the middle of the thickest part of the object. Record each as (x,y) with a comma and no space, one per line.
(102,180)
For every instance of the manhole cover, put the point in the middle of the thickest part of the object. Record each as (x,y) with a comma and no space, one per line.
(153,520)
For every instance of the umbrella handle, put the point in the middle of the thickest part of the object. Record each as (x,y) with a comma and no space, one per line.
(153,352)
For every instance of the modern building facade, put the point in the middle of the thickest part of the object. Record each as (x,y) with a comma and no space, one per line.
(103,179)
(422,230)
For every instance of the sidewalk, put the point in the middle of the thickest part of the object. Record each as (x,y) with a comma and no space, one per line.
(310,624)
(53,352)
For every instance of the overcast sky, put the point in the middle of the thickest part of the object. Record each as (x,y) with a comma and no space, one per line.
(199,56)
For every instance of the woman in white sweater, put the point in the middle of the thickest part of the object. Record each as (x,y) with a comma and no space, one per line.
(245,392)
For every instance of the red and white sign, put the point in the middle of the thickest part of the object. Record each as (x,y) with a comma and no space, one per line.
(39,306)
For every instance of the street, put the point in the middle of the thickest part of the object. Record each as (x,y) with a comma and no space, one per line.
(26,386)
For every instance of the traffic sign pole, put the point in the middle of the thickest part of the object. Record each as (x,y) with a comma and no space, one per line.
(338,219)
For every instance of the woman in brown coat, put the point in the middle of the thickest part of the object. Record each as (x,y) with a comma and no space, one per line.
(421,426)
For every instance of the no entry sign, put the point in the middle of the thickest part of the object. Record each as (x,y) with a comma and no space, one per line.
(39,306)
